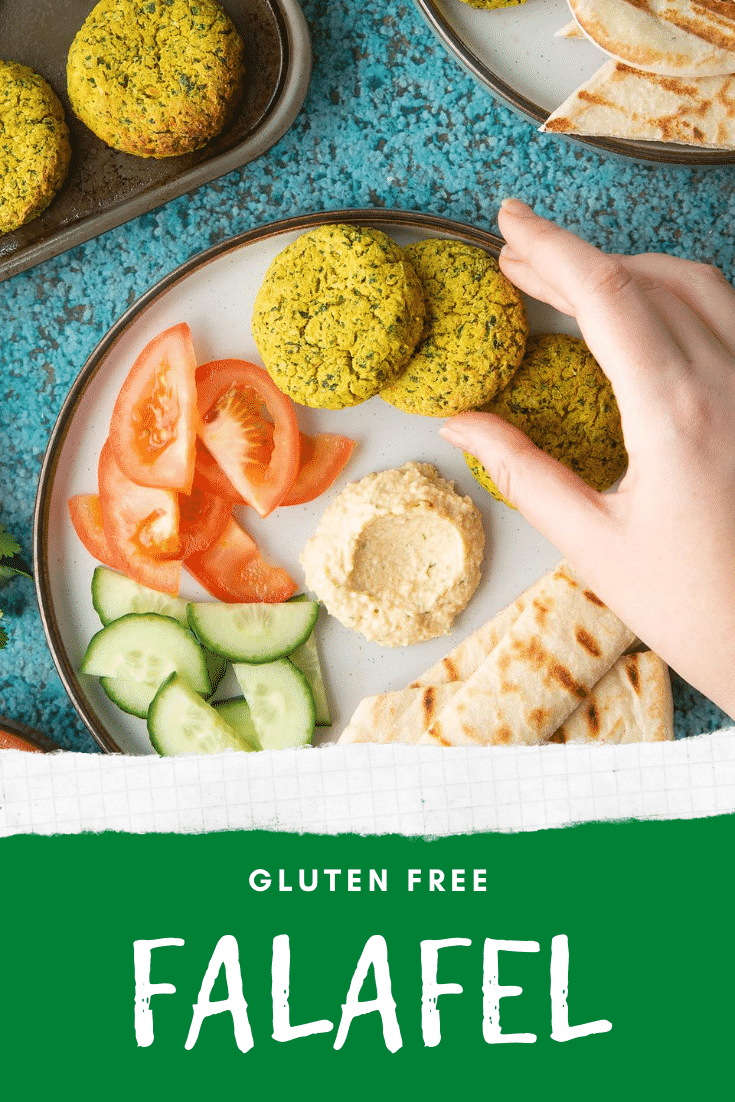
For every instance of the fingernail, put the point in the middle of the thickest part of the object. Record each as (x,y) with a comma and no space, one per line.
(507,253)
(453,436)
(515,207)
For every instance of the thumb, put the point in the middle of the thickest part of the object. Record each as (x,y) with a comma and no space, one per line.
(552,498)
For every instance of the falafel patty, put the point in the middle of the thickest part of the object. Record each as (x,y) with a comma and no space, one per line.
(474,335)
(34,145)
(338,315)
(562,400)
(155,78)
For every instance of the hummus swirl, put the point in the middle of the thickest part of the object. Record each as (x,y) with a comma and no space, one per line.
(397,555)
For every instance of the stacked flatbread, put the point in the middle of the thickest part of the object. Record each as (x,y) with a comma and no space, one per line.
(670,77)
(551,667)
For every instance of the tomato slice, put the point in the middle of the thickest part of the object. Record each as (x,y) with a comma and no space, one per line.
(209,477)
(232,569)
(85,511)
(259,456)
(141,525)
(323,458)
(203,518)
(153,425)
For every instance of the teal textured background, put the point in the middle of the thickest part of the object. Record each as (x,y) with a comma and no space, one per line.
(389,121)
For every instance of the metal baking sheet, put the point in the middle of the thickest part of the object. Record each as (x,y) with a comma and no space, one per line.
(104,187)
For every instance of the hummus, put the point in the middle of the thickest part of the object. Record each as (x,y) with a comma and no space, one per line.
(397,555)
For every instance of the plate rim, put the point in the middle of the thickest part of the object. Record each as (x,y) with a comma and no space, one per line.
(285,104)
(631,150)
(383,218)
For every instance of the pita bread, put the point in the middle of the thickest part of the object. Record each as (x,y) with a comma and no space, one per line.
(406,714)
(464,659)
(635,33)
(711,20)
(569,30)
(539,672)
(402,716)
(631,703)
(620,102)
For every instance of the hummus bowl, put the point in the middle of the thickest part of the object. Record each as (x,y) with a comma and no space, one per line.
(214,293)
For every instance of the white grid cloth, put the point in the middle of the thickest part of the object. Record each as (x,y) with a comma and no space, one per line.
(368,789)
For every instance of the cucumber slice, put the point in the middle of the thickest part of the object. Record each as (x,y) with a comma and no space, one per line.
(180,722)
(114,595)
(147,648)
(133,697)
(216,666)
(281,703)
(306,659)
(255,632)
(237,713)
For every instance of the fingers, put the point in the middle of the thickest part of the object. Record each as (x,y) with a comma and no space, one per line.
(551,498)
(527,279)
(703,288)
(624,331)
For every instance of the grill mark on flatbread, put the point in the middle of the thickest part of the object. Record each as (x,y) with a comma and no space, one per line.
(561,674)
(632,673)
(558,736)
(539,718)
(593,719)
(593,598)
(428,704)
(504,736)
(588,642)
(449,666)
(542,608)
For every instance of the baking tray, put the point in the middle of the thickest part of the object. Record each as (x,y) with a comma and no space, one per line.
(104,187)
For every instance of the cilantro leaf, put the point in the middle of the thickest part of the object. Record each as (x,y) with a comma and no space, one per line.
(8,546)
(11,564)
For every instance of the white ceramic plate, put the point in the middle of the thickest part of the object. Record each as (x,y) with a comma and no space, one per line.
(514,53)
(214,293)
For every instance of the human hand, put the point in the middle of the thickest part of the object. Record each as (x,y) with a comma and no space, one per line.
(660,550)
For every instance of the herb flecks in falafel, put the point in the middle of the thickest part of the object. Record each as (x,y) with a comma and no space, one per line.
(338,315)
(562,400)
(474,335)
(34,145)
(156,79)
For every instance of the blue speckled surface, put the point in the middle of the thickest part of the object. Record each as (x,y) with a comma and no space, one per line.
(390,120)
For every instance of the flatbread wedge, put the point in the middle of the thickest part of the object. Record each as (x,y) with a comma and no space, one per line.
(401,716)
(631,703)
(638,33)
(464,659)
(539,672)
(620,102)
(711,20)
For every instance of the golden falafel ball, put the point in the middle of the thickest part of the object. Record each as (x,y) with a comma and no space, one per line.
(474,335)
(562,400)
(338,315)
(156,78)
(34,145)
